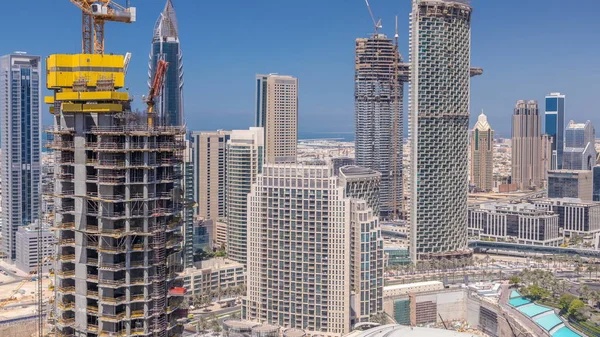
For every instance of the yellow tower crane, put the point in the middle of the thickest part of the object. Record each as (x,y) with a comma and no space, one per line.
(94,14)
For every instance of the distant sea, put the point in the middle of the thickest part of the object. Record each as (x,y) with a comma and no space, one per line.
(344,136)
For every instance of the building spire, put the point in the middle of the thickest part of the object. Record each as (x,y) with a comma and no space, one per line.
(166,25)
(482,123)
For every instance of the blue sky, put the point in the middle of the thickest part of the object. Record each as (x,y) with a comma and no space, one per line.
(528,48)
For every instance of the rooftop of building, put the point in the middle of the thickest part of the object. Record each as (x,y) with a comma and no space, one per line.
(568,171)
(412,285)
(357,171)
(577,126)
(166,25)
(215,263)
(482,123)
(392,330)
(566,201)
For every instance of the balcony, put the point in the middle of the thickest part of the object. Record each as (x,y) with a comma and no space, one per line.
(111,163)
(138,332)
(66,242)
(138,297)
(64,160)
(66,290)
(113,300)
(113,215)
(65,273)
(64,176)
(66,322)
(137,247)
(112,266)
(65,209)
(61,145)
(65,306)
(137,264)
(92,294)
(109,146)
(113,250)
(65,193)
(92,309)
(112,317)
(92,328)
(60,130)
(67,258)
(137,314)
(92,229)
(139,281)
(112,197)
(111,180)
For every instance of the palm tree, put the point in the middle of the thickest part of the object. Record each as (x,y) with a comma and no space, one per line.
(214,324)
(590,269)
(585,292)
(202,325)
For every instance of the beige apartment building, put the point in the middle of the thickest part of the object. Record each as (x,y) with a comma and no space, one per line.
(277,113)
(530,149)
(482,155)
(210,165)
(315,251)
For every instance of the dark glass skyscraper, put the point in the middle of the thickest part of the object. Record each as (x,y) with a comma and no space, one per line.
(378,120)
(165,46)
(555,126)
(596,183)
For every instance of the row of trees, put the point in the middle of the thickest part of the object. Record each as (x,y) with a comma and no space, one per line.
(205,324)
(206,298)
(543,286)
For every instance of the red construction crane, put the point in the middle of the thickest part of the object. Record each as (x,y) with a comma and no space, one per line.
(157,83)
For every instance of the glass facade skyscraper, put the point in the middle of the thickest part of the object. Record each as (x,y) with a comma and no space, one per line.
(579,152)
(555,126)
(21,144)
(244,163)
(165,46)
(439,123)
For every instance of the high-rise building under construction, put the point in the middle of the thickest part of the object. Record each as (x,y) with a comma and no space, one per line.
(378,96)
(117,213)
(440,56)
(166,47)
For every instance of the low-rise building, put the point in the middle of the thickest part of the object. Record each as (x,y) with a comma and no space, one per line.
(213,274)
(570,184)
(27,248)
(411,288)
(220,235)
(519,223)
(575,217)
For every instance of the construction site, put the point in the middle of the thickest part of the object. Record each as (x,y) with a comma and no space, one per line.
(117,203)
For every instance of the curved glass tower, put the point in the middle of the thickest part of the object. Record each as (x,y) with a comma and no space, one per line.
(440,51)
(165,46)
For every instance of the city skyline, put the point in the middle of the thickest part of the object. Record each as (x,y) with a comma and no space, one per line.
(208,68)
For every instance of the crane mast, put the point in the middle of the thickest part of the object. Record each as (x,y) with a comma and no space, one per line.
(94,14)
(157,83)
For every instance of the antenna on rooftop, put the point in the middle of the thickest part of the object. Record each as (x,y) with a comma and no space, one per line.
(377,24)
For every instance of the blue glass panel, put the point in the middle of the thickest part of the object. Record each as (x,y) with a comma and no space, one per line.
(551,104)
